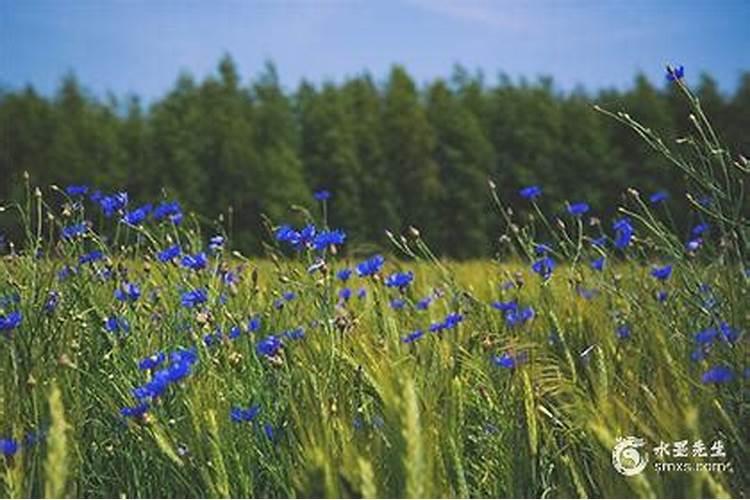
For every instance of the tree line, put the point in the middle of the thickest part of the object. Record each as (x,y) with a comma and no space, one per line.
(392,153)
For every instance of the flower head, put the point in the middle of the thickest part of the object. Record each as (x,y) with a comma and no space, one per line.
(399,280)
(269,346)
(662,273)
(544,267)
(658,197)
(322,195)
(530,192)
(370,266)
(719,374)
(10,321)
(674,74)
(578,209)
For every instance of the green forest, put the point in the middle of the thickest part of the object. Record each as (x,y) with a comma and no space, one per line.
(393,152)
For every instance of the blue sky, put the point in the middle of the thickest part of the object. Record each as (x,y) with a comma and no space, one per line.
(141,46)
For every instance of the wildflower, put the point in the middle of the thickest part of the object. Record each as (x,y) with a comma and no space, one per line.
(53,299)
(370,266)
(254,324)
(10,321)
(74,231)
(700,229)
(8,446)
(195,262)
(169,254)
(623,332)
(193,298)
(542,249)
(211,339)
(674,74)
(295,334)
(116,324)
(344,274)
(531,192)
(517,316)
(397,304)
(322,195)
(544,267)
(234,332)
(424,303)
(268,431)
(76,191)
(361,293)
(128,292)
(329,238)
(137,216)
(345,294)
(658,197)
(624,233)
(113,203)
(662,273)
(399,280)
(415,335)
(578,209)
(269,346)
(152,361)
(598,264)
(452,320)
(662,296)
(289,296)
(728,334)
(90,257)
(168,209)
(216,242)
(693,245)
(134,411)
(505,361)
(505,306)
(718,375)
(706,336)
(65,272)
(239,415)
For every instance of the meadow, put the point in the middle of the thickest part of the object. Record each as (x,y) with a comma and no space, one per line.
(143,356)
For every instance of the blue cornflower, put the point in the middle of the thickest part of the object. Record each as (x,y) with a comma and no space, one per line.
(397,304)
(399,280)
(8,446)
(169,253)
(718,375)
(239,414)
(152,361)
(510,305)
(728,334)
(345,294)
(10,321)
(370,266)
(415,335)
(658,197)
(662,273)
(530,192)
(505,361)
(137,216)
(76,190)
(289,295)
(344,274)
(544,267)
(113,203)
(216,242)
(329,238)
(518,316)
(170,209)
(693,245)
(90,257)
(195,297)
(598,264)
(64,272)
(75,230)
(452,320)
(424,303)
(542,249)
(322,195)
(578,209)
(700,229)
(195,262)
(134,411)
(674,74)
(211,339)
(116,324)
(53,299)
(269,346)
(361,293)
(128,292)
(624,232)
(254,324)
(623,332)
(268,431)
(295,333)
(661,296)
(706,336)
(234,332)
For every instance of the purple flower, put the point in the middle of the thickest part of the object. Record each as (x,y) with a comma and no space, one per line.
(598,264)
(578,209)
(658,197)
(137,216)
(718,375)
(530,192)
(662,273)
(75,230)
(269,346)
(544,267)
(399,280)
(674,74)
(322,195)
(415,335)
(169,253)
(370,266)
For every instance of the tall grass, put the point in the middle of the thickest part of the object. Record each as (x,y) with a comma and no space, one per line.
(480,408)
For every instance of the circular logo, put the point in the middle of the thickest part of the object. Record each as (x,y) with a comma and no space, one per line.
(627,457)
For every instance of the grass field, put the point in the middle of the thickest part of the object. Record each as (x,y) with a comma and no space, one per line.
(141,358)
